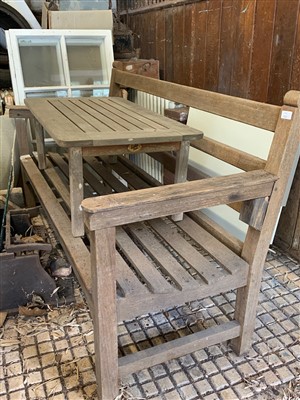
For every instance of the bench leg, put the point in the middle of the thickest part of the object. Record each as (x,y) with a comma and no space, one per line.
(103,259)
(182,159)
(40,144)
(30,199)
(22,137)
(254,252)
(76,190)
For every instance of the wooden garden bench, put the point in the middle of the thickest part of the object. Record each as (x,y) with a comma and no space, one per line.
(141,261)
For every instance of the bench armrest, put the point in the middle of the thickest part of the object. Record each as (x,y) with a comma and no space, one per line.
(122,208)
(19,112)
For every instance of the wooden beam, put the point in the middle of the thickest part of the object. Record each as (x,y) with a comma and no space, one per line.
(253,212)
(19,112)
(247,111)
(230,155)
(281,157)
(178,347)
(76,250)
(155,7)
(123,208)
(103,264)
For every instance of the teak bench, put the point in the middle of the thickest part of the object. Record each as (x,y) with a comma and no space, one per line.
(141,261)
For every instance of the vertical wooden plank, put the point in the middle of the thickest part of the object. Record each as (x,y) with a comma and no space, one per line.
(227,46)
(244,13)
(169,76)
(288,230)
(141,33)
(261,50)
(138,37)
(188,43)
(295,78)
(22,136)
(199,44)
(76,190)
(279,163)
(40,144)
(160,41)
(213,45)
(30,199)
(178,43)
(151,44)
(103,265)
(182,158)
(283,43)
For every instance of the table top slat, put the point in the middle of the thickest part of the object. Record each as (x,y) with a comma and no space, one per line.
(88,122)
(101,119)
(130,122)
(72,114)
(92,119)
(156,118)
(138,115)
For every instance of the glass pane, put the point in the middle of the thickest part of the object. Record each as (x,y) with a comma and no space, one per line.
(86,63)
(48,93)
(90,92)
(41,62)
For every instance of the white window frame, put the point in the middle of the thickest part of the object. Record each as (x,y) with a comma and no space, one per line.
(89,36)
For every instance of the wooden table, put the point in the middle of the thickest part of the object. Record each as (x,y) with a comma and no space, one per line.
(105,126)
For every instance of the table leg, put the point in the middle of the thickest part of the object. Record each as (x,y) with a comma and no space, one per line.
(40,144)
(182,159)
(76,190)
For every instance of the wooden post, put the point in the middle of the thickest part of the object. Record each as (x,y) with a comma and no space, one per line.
(76,190)
(30,200)
(22,136)
(182,159)
(256,245)
(115,89)
(103,264)
(40,144)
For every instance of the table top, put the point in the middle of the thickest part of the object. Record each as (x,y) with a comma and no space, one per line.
(105,121)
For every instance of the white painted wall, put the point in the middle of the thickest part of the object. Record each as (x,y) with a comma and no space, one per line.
(233,133)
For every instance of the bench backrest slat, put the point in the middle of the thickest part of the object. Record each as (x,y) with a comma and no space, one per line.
(261,115)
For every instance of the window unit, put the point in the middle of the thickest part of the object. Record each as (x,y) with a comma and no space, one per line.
(59,63)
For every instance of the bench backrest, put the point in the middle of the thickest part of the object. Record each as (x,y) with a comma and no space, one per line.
(283,121)
(261,115)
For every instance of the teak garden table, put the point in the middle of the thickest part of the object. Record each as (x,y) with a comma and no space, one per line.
(105,126)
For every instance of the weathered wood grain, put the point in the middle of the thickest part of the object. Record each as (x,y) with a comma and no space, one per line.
(285,143)
(247,111)
(235,47)
(177,348)
(103,261)
(122,208)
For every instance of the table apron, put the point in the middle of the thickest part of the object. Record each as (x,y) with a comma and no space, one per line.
(131,148)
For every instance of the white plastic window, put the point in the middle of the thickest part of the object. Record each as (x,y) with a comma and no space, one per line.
(59,63)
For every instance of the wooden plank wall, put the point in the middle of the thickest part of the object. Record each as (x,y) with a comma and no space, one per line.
(246,48)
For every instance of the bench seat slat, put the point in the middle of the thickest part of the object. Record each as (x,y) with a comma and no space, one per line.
(224,256)
(129,176)
(128,282)
(162,256)
(143,266)
(106,174)
(193,257)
